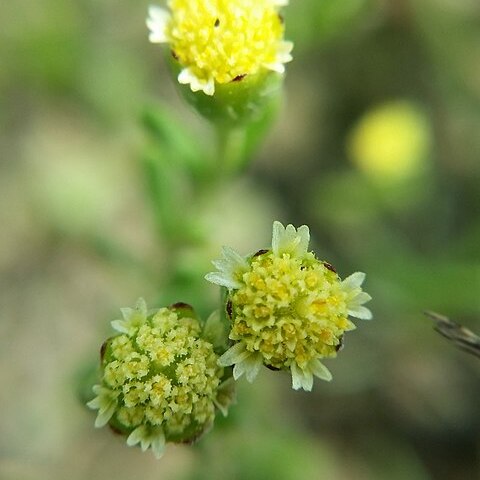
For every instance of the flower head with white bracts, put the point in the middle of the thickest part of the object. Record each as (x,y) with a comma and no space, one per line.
(161,381)
(220,41)
(288,310)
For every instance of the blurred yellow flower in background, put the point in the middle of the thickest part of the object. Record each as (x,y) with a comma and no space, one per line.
(391,141)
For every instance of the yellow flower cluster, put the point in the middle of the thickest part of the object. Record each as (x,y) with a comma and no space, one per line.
(160,378)
(219,41)
(225,38)
(290,310)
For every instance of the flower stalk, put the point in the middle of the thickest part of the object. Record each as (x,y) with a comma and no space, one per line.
(166,373)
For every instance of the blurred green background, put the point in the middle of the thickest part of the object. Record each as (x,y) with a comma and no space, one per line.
(377,149)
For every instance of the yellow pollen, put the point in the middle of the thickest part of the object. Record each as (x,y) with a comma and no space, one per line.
(262,311)
(319,306)
(289,330)
(311,280)
(326,336)
(267,347)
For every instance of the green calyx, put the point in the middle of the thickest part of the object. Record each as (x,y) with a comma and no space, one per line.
(244,100)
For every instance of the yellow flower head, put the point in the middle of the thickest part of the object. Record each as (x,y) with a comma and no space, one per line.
(391,141)
(161,381)
(220,41)
(288,309)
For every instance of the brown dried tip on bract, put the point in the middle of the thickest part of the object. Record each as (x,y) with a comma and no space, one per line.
(181,306)
(103,349)
(115,430)
(270,367)
(238,78)
(260,252)
(329,267)
(229,308)
(174,55)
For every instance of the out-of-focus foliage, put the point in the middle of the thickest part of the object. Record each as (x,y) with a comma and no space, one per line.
(79,238)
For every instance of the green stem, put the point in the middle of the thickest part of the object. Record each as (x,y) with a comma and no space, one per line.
(231,150)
